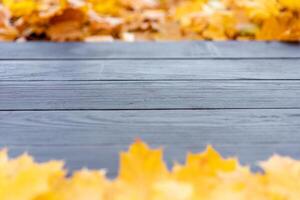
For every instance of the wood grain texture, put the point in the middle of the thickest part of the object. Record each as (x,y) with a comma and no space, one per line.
(167,127)
(94,138)
(86,102)
(148,50)
(263,69)
(55,95)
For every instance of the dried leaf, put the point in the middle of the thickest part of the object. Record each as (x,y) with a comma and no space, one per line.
(150,20)
(144,176)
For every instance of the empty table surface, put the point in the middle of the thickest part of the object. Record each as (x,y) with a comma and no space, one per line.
(84,102)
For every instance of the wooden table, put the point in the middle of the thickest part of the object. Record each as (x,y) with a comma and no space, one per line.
(85,102)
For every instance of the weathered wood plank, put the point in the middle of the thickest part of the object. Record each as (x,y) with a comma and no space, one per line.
(149,69)
(149,50)
(167,127)
(93,138)
(148,94)
(106,156)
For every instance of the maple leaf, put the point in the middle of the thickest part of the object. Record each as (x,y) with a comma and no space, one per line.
(7,31)
(23,179)
(144,176)
(172,189)
(290,4)
(208,163)
(259,10)
(140,169)
(83,185)
(106,7)
(151,20)
(139,4)
(67,26)
(185,8)
(20,8)
(202,171)
(141,164)
(282,175)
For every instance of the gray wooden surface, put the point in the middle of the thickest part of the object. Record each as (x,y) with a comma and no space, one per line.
(86,102)
(150,50)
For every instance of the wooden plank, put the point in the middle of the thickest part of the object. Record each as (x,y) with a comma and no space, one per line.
(105,95)
(149,50)
(94,138)
(106,156)
(167,127)
(148,69)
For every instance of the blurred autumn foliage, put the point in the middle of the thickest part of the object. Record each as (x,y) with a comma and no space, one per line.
(144,176)
(134,20)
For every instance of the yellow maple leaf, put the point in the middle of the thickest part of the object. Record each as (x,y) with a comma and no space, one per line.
(258,10)
(7,31)
(106,7)
(171,189)
(83,185)
(209,163)
(140,168)
(188,8)
(282,175)
(23,179)
(141,164)
(144,176)
(238,185)
(20,7)
(290,4)
(201,170)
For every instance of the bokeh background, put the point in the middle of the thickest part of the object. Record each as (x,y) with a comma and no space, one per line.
(136,20)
